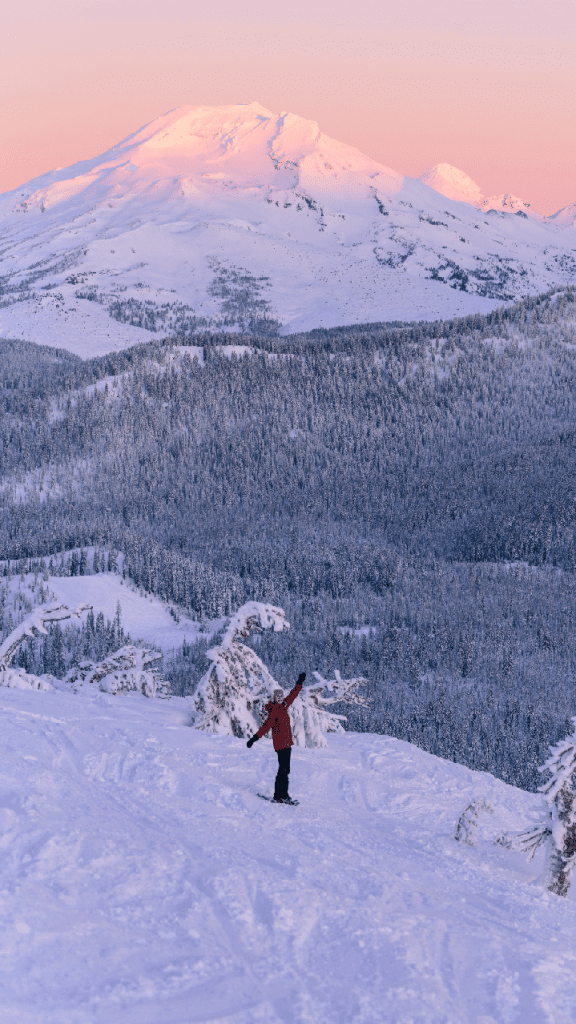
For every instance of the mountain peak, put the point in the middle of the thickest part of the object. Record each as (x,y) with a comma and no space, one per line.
(452,183)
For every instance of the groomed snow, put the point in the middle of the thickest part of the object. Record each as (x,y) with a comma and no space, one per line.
(143,616)
(144,882)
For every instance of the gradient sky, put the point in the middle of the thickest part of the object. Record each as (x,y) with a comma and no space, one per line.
(487,86)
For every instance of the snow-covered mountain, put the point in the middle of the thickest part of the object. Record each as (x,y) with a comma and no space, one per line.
(144,881)
(452,183)
(236,218)
(566,217)
(455,184)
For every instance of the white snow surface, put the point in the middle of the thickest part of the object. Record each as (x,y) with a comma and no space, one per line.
(143,616)
(144,881)
(455,184)
(181,215)
(452,183)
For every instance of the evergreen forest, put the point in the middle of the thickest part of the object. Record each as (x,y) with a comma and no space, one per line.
(407,492)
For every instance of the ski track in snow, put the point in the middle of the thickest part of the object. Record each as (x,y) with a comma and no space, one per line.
(143,881)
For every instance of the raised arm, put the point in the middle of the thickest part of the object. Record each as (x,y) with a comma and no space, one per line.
(295,690)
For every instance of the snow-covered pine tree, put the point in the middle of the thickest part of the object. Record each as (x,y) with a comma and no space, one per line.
(559,793)
(231,695)
(558,831)
(34,625)
(310,719)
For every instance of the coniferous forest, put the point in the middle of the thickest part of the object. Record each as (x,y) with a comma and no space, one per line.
(406,492)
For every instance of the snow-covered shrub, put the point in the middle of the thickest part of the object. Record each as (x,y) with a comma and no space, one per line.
(231,695)
(310,719)
(130,668)
(18,679)
(467,827)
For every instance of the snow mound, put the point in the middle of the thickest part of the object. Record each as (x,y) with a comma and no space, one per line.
(18,679)
(129,669)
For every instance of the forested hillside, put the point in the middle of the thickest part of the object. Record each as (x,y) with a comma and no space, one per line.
(405,492)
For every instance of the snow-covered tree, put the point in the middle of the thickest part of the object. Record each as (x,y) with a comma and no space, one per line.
(559,794)
(231,695)
(130,668)
(309,716)
(558,830)
(33,625)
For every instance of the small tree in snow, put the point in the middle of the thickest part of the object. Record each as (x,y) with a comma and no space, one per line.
(559,795)
(310,718)
(558,831)
(231,694)
(34,625)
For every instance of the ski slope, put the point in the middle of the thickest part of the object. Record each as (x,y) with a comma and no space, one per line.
(143,616)
(143,881)
(234,218)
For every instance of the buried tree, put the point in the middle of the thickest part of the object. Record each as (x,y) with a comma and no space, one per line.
(232,694)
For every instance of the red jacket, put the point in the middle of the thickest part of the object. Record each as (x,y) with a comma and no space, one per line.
(278,720)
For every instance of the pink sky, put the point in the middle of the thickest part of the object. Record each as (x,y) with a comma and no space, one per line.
(489,87)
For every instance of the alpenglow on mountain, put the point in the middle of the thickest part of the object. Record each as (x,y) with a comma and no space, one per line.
(236,219)
(455,184)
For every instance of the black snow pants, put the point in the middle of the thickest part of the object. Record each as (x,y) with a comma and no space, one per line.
(281,786)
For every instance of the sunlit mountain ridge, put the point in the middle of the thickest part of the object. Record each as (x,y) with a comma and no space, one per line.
(234,218)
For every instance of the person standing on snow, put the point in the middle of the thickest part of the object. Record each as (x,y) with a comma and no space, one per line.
(279,722)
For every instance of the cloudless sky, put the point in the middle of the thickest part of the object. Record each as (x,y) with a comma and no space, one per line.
(487,86)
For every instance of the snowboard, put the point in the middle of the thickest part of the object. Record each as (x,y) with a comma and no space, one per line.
(293,803)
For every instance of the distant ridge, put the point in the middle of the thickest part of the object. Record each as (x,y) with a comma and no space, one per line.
(455,184)
(452,183)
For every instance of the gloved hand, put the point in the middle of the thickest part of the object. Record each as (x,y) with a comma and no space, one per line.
(251,741)
(301,679)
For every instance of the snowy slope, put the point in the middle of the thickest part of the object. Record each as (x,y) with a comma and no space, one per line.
(144,616)
(455,184)
(225,217)
(452,183)
(143,881)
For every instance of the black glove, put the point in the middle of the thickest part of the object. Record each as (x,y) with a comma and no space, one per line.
(251,741)
(301,679)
